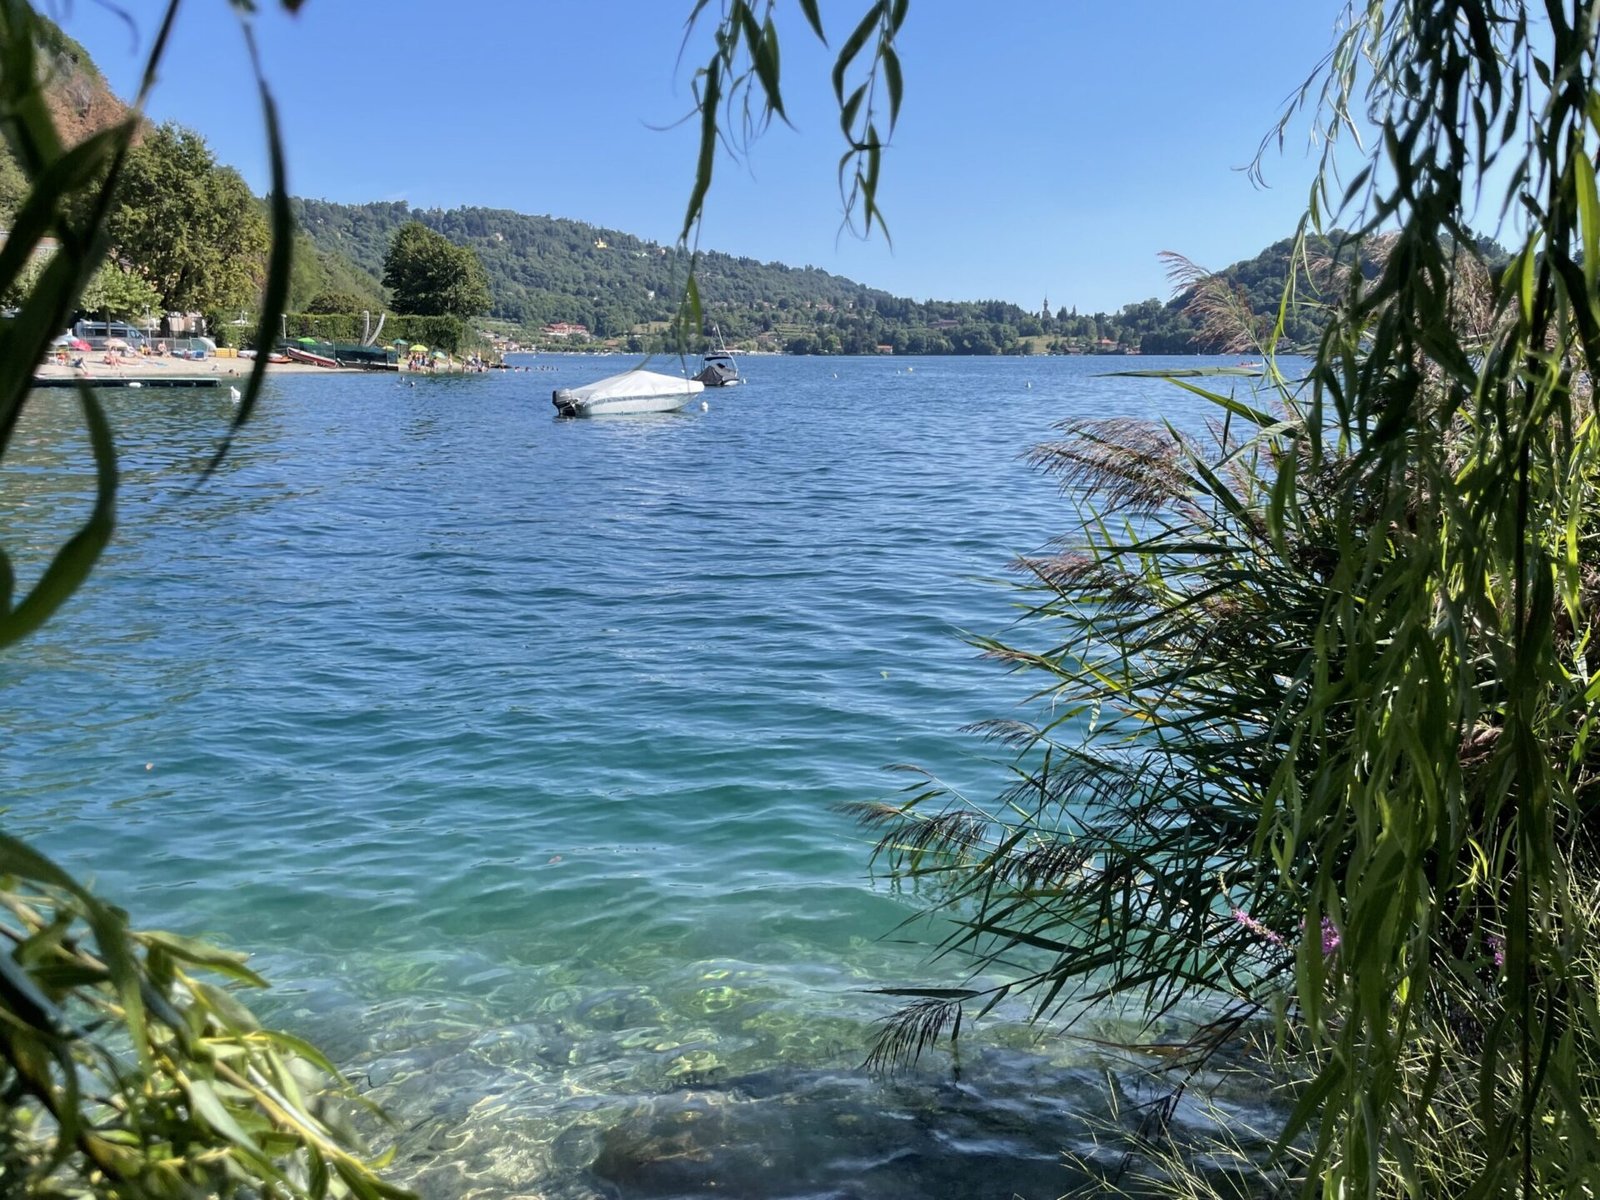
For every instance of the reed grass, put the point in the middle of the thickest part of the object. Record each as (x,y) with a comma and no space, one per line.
(1319,695)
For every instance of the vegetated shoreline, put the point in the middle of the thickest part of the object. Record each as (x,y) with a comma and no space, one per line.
(238,368)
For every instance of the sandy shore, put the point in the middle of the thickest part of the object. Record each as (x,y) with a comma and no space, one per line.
(144,368)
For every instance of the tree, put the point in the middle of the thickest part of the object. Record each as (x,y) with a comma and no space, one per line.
(317,271)
(610,321)
(432,277)
(335,302)
(125,1069)
(13,186)
(189,226)
(119,291)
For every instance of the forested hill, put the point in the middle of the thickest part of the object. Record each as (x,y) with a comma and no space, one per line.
(79,101)
(545,269)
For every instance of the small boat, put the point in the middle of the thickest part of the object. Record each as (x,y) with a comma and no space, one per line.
(305,356)
(717,368)
(630,392)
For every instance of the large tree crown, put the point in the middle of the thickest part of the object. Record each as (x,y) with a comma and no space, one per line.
(431,276)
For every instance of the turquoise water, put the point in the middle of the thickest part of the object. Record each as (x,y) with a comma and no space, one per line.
(511,747)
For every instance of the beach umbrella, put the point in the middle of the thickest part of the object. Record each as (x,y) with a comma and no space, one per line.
(116,344)
(419,348)
(440,354)
(80,344)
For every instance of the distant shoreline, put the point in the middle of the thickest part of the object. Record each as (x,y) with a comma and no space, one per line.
(150,368)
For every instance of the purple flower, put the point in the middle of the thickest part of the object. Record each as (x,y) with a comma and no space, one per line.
(1330,934)
(1330,937)
(1257,928)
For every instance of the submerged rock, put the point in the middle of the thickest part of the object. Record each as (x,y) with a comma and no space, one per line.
(804,1135)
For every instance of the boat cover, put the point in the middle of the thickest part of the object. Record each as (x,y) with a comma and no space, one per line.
(719,371)
(630,385)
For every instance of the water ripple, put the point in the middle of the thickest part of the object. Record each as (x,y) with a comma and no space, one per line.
(513,748)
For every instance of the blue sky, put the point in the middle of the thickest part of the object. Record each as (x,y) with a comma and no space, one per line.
(1047,147)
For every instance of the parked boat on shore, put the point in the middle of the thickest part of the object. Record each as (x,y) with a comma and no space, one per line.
(298,355)
(630,392)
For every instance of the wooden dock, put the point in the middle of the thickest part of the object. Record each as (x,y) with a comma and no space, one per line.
(128,381)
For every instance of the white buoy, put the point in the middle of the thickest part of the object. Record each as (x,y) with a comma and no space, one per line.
(134,383)
(233,394)
(705,406)
(1030,383)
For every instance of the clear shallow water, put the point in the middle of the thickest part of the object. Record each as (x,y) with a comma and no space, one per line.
(511,747)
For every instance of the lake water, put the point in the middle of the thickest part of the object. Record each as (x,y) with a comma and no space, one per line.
(512,748)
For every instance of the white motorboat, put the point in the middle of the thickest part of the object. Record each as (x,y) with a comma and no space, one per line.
(630,392)
(717,368)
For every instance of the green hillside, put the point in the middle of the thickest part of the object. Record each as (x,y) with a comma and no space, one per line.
(542,269)
(624,289)
(545,269)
